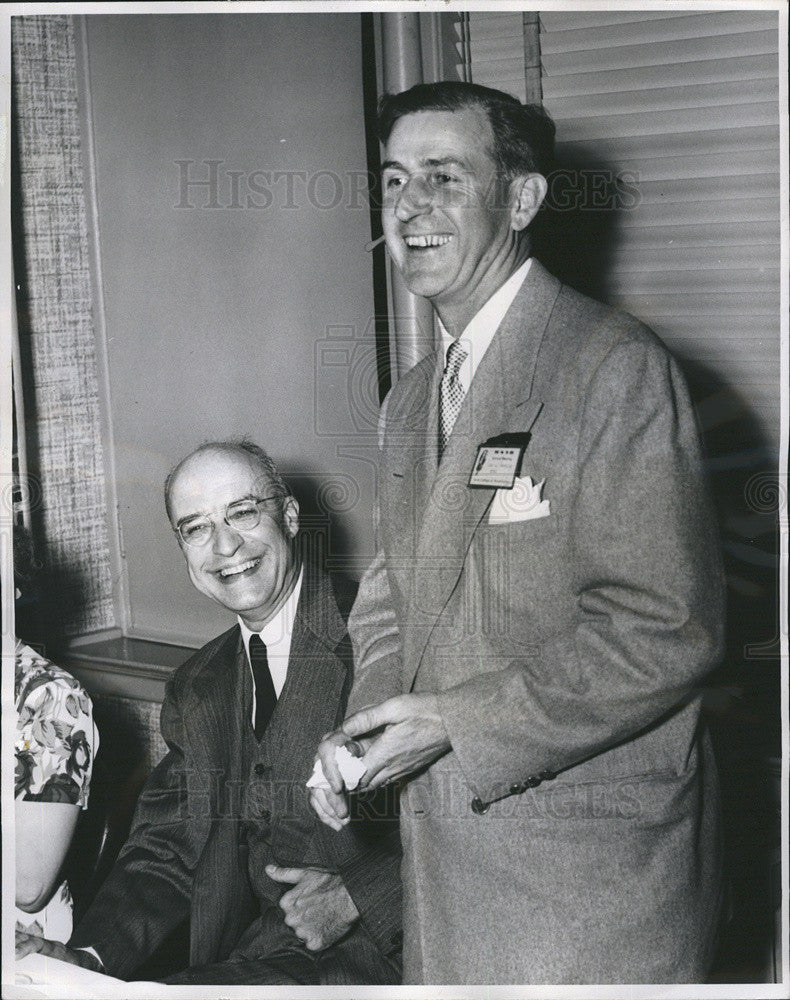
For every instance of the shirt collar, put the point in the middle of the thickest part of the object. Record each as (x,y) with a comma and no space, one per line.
(480,330)
(280,628)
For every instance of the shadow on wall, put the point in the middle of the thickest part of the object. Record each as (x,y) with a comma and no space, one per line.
(322,502)
(743,699)
(574,235)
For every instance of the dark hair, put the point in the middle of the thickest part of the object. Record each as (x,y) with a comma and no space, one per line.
(523,133)
(241,446)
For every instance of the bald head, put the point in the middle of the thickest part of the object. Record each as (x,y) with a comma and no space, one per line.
(242,447)
(236,523)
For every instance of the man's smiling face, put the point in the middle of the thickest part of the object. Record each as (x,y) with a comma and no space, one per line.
(446,214)
(249,572)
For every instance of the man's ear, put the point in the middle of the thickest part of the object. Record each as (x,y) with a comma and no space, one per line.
(291,516)
(527,194)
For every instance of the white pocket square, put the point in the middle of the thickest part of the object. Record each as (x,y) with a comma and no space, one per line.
(522,502)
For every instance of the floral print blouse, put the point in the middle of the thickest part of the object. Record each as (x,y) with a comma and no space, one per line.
(56,742)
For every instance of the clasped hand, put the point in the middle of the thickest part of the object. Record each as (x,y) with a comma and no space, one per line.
(318,909)
(400,736)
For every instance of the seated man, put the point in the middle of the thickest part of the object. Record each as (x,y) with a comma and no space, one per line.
(223,834)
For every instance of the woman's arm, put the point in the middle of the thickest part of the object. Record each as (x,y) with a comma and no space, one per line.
(43,834)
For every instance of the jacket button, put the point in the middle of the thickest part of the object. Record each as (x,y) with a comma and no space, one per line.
(547,775)
(261,769)
(478,806)
(265,815)
(517,788)
(532,782)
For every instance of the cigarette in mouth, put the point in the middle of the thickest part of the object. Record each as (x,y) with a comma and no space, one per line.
(373,244)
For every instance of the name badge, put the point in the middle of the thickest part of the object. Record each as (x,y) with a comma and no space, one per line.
(498,461)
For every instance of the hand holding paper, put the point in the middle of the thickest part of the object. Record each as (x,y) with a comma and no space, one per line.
(350,767)
(410,735)
(328,784)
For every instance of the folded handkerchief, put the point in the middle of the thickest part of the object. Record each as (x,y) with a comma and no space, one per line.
(520,503)
(351,770)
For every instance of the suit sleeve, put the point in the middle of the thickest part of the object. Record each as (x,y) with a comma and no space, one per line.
(370,865)
(372,624)
(646,571)
(148,891)
(371,873)
(375,639)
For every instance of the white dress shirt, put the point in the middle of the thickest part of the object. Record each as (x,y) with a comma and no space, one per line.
(480,330)
(276,636)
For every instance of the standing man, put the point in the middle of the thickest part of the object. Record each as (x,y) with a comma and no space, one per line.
(546,597)
(223,835)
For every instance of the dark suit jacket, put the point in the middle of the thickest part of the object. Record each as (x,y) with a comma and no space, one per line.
(186,855)
(571,835)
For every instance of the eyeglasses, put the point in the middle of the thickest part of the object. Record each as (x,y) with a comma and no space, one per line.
(241,515)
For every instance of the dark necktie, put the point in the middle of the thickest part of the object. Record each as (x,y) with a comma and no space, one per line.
(265,697)
(451,393)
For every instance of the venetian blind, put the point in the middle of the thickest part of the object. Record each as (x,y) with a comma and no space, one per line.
(502,51)
(685,107)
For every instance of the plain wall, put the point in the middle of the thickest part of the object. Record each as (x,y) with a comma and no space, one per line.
(242,307)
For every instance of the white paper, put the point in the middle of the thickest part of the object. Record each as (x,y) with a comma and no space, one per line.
(351,770)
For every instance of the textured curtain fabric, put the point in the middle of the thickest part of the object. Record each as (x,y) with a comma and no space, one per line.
(56,330)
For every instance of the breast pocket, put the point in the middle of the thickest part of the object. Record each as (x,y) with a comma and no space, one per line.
(515,531)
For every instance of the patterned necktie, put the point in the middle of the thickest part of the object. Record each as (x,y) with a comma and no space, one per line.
(265,697)
(451,393)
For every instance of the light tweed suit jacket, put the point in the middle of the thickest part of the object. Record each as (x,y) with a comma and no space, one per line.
(186,856)
(571,836)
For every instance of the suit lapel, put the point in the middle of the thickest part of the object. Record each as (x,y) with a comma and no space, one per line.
(499,400)
(220,692)
(222,903)
(318,670)
(412,430)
